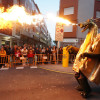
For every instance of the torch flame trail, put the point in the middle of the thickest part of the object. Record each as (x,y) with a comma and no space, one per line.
(17,14)
(58,19)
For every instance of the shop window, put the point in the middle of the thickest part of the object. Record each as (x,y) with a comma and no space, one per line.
(15,1)
(69,11)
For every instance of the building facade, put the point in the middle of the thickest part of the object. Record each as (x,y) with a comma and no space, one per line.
(77,11)
(36,35)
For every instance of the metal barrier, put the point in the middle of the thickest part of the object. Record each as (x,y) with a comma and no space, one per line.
(5,61)
(12,61)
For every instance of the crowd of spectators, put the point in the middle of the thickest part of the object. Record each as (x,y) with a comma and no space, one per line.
(29,52)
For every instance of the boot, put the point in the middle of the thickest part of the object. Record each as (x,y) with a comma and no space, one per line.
(85,86)
(79,88)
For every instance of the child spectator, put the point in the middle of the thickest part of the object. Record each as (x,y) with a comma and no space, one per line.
(30,57)
(17,55)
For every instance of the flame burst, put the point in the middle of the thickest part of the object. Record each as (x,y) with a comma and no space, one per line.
(17,14)
(58,19)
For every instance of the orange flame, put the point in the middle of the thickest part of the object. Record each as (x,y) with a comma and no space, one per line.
(17,14)
(58,19)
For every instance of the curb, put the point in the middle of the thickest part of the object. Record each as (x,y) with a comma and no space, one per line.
(57,71)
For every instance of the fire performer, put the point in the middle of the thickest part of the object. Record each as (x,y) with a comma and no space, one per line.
(87,62)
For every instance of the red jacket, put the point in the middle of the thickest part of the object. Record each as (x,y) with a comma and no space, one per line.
(30,55)
(17,54)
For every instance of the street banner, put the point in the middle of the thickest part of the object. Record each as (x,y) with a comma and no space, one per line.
(59,32)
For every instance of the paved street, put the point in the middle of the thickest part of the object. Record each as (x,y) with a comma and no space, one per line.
(41,84)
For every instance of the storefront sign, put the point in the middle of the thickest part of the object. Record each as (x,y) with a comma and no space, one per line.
(70,40)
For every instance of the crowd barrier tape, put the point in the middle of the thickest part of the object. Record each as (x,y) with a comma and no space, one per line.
(12,61)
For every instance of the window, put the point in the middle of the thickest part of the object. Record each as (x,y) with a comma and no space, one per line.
(97,14)
(68,28)
(99,30)
(15,2)
(68,11)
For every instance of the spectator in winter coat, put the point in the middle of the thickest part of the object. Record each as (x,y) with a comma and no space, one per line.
(13,50)
(8,50)
(17,55)
(50,50)
(47,52)
(60,52)
(2,57)
(54,51)
(43,50)
(24,52)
